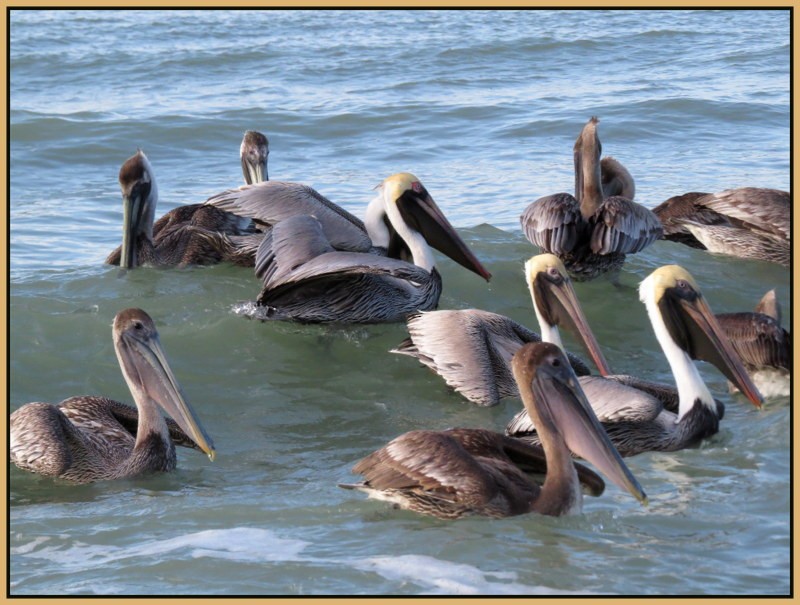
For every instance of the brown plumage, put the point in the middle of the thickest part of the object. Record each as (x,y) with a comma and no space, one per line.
(764,346)
(460,472)
(86,439)
(748,222)
(589,232)
(195,234)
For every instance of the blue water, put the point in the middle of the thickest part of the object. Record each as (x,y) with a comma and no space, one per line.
(484,107)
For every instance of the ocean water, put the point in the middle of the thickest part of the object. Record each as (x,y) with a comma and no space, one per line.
(483,106)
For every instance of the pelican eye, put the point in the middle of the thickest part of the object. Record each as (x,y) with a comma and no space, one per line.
(137,325)
(552,271)
(556,362)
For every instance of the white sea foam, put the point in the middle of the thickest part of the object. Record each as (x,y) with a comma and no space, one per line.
(435,576)
(245,544)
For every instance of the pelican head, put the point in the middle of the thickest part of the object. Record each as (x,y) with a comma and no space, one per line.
(559,408)
(149,376)
(555,302)
(419,222)
(680,314)
(586,155)
(616,179)
(139,199)
(254,153)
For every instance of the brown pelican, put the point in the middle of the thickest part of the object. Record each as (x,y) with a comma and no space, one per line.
(254,153)
(195,234)
(642,416)
(590,234)
(763,345)
(86,439)
(748,222)
(451,474)
(472,349)
(307,279)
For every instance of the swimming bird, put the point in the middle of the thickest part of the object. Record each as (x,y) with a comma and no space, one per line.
(472,349)
(764,346)
(86,439)
(641,416)
(307,279)
(462,472)
(590,233)
(194,234)
(748,222)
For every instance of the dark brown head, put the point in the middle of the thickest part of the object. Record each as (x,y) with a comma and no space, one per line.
(254,153)
(139,199)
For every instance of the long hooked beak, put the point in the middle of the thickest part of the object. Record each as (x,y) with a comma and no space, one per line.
(569,311)
(162,387)
(708,342)
(132,208)
(254,172)
(561,402)
(420,212)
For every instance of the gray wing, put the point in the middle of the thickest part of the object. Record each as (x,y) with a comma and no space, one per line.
(754,208)
(297,249)
(622,226)
(554,223)
(472,350)
(270,202)
(611,399)
(615,400)
(664,393)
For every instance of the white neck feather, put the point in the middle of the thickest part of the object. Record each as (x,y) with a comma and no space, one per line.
(549,333)
(687,378)
(420,250)
(373,220)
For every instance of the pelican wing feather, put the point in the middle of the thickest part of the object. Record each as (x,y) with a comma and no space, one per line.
(622,226)
(554,223)
(299,250)
(754,208)
(270,202)
(431,461)
(758,339)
